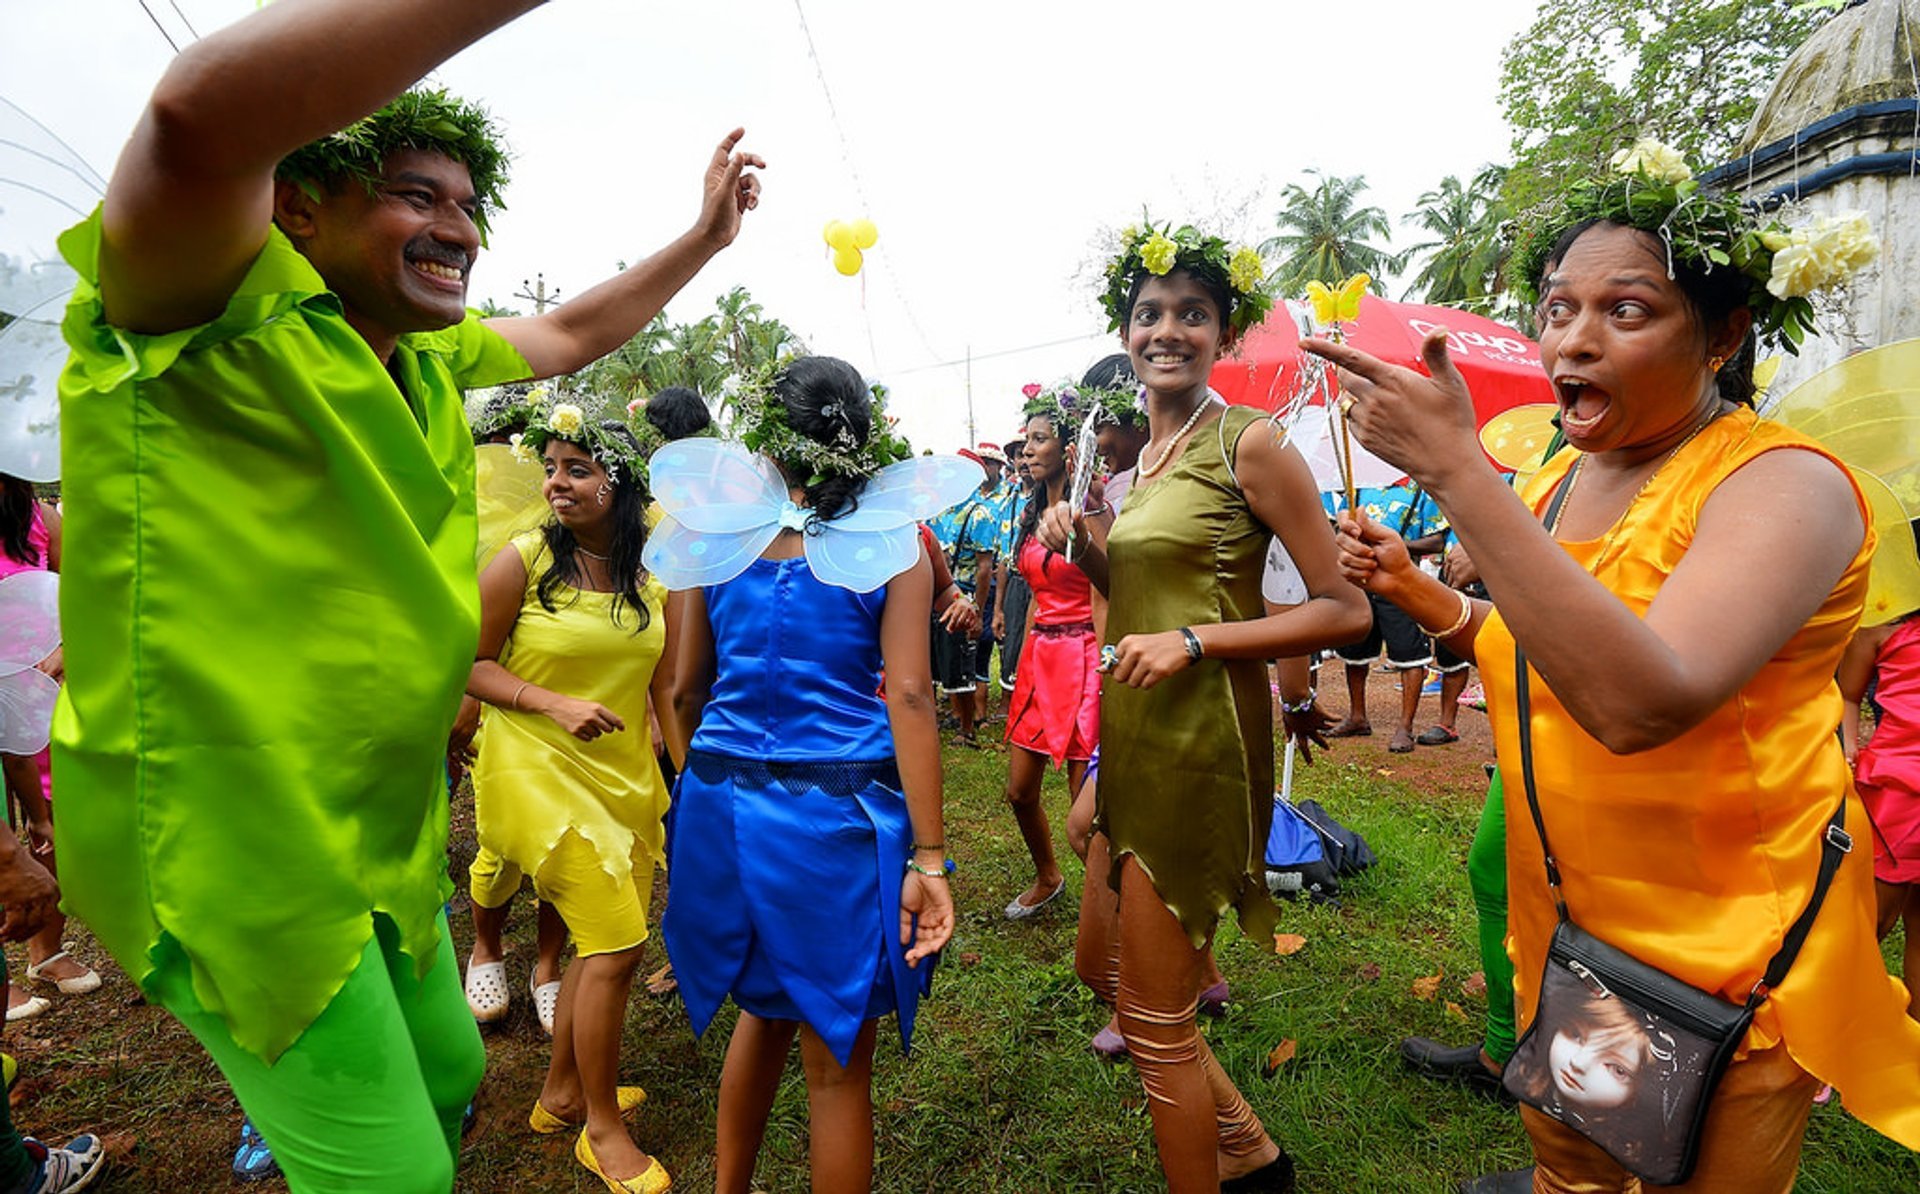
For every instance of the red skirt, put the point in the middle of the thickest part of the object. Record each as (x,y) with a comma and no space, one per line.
(1056,698)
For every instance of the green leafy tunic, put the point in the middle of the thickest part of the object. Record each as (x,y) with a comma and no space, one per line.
(270,612)
(1186,767)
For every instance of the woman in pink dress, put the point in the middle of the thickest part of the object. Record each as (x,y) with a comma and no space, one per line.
(30,542)
(1055,710)
(1887,773)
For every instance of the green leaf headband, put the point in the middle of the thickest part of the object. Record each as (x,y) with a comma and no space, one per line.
(1159,250)
(762,426)
(433,120)
(1650,187)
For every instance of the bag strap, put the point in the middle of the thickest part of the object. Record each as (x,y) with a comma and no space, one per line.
(1835,842)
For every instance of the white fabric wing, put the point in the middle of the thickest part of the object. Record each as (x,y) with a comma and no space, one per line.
(29,619)
(29,631)
(861,560)
(715,485)
(684,558)
(911,491)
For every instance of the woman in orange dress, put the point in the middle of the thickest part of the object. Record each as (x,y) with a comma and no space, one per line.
(1682,617)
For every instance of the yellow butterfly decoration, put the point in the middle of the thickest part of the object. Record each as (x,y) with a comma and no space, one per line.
(1332,307)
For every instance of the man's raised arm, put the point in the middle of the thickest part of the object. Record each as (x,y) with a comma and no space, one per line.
(192,196)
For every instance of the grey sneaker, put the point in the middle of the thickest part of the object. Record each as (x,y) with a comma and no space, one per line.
(75,1165)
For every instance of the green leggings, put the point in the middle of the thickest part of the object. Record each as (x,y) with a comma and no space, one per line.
(1487,878)
(369,1099)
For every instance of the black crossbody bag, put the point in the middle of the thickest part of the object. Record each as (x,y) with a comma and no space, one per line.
(1623,1052)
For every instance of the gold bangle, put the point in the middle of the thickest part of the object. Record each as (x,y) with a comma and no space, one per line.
(1459,623)
(518,691)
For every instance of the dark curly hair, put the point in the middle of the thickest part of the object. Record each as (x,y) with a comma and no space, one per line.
(630,500)
(678,412)
(826,398)
(16,519)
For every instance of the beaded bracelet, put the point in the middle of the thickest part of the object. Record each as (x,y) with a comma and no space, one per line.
(941,873)
(1303,705)
(1459,623)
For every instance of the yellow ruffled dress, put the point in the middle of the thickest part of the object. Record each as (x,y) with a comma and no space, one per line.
(534,781)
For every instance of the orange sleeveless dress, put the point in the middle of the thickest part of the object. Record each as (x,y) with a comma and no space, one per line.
(1697,855)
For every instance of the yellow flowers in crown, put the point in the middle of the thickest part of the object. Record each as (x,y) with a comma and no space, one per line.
(566,419)
(1652,159)
(1159,250)
(1824,253)
(1245,269)
(1332,307)
(1159,254)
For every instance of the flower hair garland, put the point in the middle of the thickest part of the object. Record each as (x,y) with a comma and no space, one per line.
(761,425)
(577,418)
(1159,250)
(1650,187)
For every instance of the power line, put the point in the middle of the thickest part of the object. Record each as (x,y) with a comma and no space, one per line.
(859,190)
(183,19)
(159,26)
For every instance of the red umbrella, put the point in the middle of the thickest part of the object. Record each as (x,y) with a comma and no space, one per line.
(1502,367)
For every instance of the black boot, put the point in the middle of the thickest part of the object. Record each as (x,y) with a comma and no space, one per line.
(1275,1177)
(1461,1064)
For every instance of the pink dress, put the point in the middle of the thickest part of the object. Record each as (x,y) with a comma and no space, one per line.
(1056,699)
(37,539)
(1888,770)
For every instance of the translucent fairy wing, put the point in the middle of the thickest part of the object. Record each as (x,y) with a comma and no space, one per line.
(911,491)
(1086,456)
(716,486)
(27,698)
(861,560)
(684,558)
(29,618)
(510,498)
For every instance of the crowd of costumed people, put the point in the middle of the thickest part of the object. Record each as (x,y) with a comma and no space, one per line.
(727,655)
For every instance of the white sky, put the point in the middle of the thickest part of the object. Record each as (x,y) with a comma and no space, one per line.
(993,142)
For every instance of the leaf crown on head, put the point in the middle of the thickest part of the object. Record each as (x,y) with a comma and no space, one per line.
(556,412)
(761,425)
(1650,187)
(1158,250)
(432,119)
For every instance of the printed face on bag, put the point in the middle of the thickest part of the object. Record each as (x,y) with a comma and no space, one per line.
(1597,1059)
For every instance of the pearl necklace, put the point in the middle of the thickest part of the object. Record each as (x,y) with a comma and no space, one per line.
(1166,453)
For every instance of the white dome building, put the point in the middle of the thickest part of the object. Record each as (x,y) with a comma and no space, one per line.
(1840,131)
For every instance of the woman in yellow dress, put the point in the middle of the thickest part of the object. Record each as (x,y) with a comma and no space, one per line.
(1682,617)
(574,636)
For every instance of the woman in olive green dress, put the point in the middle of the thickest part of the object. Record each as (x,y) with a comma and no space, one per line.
(1186,777)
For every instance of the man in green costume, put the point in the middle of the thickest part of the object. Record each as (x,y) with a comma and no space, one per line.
(270,596)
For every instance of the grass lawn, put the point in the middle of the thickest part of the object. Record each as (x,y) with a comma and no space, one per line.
(1002,1093)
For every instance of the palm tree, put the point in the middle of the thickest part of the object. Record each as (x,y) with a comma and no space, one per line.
(1323,235)
(1464,261)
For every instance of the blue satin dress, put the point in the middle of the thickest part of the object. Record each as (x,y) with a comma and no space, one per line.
(791,831)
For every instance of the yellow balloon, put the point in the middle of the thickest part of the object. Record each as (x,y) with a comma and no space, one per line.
(865,234)
(848,260)
(840,236)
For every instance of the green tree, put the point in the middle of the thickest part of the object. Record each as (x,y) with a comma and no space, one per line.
(1324,236)
(736,339)
(1590,76)
(1462,262)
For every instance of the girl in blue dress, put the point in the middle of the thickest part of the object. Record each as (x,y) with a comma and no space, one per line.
(808,864)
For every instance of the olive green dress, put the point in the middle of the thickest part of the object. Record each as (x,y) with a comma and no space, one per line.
(1186,767)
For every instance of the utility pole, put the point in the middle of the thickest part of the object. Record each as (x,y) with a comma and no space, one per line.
(536,293)
(972,438)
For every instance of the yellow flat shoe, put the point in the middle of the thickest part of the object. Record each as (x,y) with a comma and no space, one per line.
(547,1123)
(652,1180)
